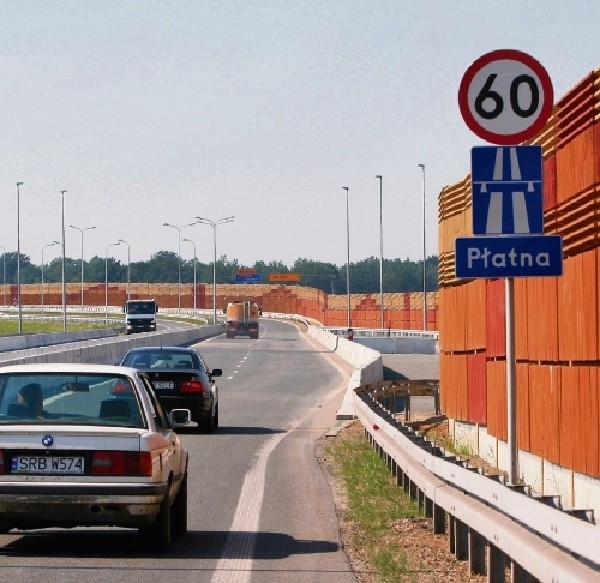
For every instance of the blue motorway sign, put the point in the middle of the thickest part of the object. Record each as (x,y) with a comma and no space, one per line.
(524,256)
(248,278)
(506,184)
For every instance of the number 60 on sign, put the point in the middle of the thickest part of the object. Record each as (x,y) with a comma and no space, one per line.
(505,97)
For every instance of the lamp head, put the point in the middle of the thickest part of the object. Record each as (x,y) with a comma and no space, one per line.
(379,176)
(19,184)
(345,188)
(422,166)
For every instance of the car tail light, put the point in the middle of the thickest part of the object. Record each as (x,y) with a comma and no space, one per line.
(192,386)
(121,388)
(121,463)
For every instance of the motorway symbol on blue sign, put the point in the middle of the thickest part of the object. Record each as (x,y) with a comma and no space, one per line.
(507,190)
(248,278)
(519,256)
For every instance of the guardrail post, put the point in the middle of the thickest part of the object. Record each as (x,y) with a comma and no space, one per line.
(399,475)
(476,553)
(439,519)
(428,507)
(406,482)
(495,562)
(451,534)
(518,574)
(422,501)
(461,540)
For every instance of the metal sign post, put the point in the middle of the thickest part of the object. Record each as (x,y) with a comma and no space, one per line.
(511,384)
(505,98)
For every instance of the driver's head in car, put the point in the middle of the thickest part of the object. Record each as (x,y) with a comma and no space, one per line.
(31,396)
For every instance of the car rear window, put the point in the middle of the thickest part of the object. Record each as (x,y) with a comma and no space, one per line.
(160,359)
(51,398)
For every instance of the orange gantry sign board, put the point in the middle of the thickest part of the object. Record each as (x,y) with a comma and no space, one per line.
(278,277)
(245,271)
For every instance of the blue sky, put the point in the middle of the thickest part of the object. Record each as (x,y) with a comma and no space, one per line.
(151,112)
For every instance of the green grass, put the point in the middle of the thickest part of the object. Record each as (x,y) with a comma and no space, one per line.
(375,503)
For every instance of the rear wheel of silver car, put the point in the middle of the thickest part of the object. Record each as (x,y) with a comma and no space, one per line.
(179,510)
(158,535)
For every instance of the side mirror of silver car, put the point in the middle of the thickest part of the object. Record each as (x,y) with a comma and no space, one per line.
(179,417)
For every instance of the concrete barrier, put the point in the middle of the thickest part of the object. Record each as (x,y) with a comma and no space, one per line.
(399,345)
(368,367)
(25,341)
(108,350)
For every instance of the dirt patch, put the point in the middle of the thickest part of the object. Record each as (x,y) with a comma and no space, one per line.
(429,559)
(436,430)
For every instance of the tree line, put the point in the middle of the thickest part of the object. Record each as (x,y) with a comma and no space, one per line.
(163,267)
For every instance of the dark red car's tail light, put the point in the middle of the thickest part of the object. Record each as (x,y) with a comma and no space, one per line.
(192,386)
(121,463)
(121,388)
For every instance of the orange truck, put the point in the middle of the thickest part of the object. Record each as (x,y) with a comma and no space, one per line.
(242,319)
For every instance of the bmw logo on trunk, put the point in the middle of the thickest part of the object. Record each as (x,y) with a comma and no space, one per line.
(47,440)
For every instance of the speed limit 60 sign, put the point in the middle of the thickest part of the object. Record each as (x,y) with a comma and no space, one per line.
(505,97)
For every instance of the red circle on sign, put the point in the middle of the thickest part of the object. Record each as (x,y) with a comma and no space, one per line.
(477,124)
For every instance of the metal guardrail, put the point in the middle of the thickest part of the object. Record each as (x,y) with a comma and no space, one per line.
(394,396)
(491,524)
(384,333)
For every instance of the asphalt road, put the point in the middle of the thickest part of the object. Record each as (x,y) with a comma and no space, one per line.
(260,509)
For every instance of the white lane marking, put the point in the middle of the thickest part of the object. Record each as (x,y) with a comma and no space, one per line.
(235,563)
(229,377)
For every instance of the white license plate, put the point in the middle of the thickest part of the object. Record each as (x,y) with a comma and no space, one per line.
(164,385)
(28,464)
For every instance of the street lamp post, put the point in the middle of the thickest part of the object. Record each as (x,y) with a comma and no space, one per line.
(4,271)
(422,167)
(20,328)
(179,256)
(381,249)
(106,281)
(194,245)
(214,225)
(64,286)
(49,245)
(128,267)
(348,253)
(81,231)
